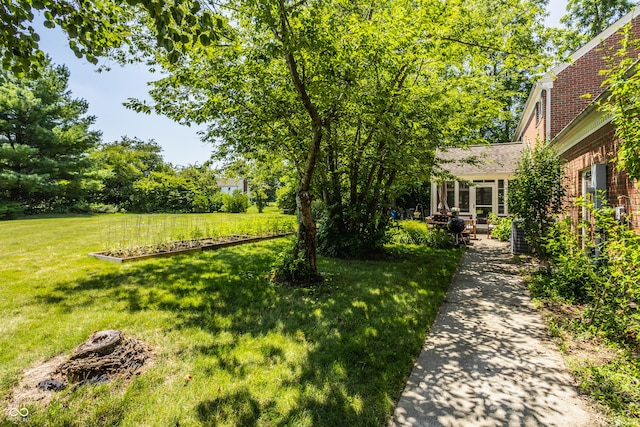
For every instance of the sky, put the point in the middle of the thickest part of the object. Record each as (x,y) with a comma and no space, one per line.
(105,92)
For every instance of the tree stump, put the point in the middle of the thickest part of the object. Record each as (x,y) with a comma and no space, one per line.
(98,344)
(105,355)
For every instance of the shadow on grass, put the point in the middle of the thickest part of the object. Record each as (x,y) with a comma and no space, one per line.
(361,330)
(240,407)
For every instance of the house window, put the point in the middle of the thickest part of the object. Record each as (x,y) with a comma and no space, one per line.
(587,227)
(463,196)
(451,193)
(538,111)
(501,197)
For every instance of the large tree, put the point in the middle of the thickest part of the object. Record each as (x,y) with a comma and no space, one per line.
(356,95)
(44,143)
(591,17)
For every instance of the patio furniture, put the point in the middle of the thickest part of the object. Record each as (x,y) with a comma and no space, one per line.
(437,221)
(470,227)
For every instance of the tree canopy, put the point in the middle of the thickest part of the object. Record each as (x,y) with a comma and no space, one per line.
(591,17)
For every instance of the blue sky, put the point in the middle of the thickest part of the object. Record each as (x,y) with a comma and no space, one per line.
(106,92)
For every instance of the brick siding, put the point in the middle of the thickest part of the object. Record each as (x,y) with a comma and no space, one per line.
(601,147)
(580,78)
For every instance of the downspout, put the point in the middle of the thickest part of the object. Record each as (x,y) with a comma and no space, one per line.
(547,121)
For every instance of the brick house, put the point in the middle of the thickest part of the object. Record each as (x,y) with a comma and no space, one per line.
(558,112)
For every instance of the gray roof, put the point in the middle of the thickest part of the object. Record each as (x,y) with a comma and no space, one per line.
(487,159)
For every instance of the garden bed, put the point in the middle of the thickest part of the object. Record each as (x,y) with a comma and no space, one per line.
(179,247)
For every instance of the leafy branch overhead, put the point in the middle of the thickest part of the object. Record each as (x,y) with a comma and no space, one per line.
(96,28)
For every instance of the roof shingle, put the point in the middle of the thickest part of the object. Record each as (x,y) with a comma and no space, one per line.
(488,159)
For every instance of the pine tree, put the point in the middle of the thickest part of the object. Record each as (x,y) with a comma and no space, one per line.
(44,141)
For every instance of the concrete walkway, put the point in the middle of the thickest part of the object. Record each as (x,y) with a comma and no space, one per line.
(487,360)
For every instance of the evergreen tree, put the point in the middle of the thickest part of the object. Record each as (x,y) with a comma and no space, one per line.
(44,141)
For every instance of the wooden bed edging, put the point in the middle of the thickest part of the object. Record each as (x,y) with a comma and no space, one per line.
(103,256)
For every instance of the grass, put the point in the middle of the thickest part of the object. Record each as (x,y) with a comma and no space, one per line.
(231,348)
(605,370)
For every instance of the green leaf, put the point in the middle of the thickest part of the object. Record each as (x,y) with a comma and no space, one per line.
(72,31)
(167,44)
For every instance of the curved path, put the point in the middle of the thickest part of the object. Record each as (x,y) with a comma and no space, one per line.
(487,360)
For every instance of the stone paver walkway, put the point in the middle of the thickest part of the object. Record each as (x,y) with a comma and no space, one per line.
(487,360)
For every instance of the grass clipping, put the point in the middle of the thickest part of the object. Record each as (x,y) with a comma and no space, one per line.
(105,356)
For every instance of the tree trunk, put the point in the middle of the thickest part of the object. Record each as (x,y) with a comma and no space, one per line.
(307,235)
(307,239)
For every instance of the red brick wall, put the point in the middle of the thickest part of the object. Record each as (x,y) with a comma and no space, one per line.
(600,147)
(580,78)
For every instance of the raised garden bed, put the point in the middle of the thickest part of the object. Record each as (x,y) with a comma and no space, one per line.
(179,247)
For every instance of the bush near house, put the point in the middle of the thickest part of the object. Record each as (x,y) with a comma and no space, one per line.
(536,194)
(417,233)
(594,293)
(502,228)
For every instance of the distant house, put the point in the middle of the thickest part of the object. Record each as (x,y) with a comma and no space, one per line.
(229,185)
(558,112)
(482,175)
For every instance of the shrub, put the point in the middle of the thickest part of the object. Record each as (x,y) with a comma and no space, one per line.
(105,208)
(162,192)
(291,268)
(502,229)
(609,282)
(536,193)
(215,202)
(200,203)
(237,202)
(570,274)
(342,235)
(600,270)
(417,233)
(286,198)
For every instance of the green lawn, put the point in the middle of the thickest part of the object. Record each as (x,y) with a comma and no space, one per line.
(257,353)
